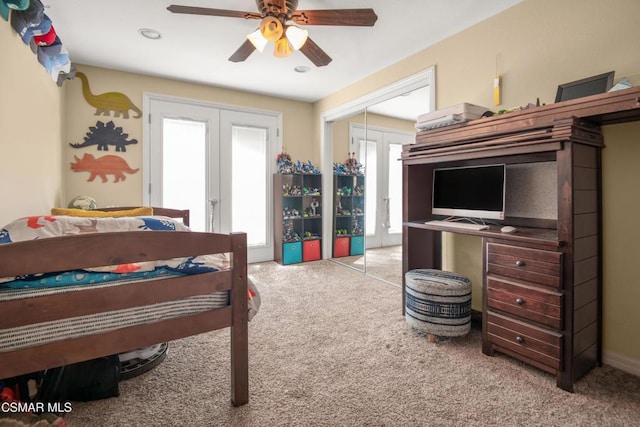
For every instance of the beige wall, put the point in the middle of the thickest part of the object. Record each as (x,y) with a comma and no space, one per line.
(621,239)
(80,116)
(30,132)
(537,45)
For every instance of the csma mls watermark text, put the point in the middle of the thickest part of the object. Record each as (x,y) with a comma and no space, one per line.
(35,407)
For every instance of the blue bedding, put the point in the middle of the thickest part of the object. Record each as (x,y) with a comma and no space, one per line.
(84,277)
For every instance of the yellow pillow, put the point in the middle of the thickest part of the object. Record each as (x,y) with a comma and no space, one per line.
(144,211)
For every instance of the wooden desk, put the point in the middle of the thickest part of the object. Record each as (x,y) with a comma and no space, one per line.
(542,286)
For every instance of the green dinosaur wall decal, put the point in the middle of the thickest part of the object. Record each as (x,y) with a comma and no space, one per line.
(107,102)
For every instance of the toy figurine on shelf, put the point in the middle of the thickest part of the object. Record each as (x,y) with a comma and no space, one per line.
(353,166)
(315,204)
(310,236)
(339,169)
(306,168)
(288,190)
(310,191)
(311,168)
(288,235)
(285,165)
(356,229)
(358,190)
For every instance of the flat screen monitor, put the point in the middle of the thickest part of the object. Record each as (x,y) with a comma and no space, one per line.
(469,191)
(585,87)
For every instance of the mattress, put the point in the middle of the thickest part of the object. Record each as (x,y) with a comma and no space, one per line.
(42,333)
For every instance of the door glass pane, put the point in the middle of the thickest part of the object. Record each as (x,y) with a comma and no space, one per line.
(249,183)
(370,163)
(184,184)
(395,188)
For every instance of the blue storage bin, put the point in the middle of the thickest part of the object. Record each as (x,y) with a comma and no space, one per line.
(357,245)
(291,253)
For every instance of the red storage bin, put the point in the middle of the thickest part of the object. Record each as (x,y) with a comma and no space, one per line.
(341,247)
(311,250)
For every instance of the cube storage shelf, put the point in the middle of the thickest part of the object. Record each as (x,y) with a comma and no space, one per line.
(298,219)
(348,215)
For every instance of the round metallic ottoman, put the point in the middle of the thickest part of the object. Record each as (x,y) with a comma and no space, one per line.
(438,302)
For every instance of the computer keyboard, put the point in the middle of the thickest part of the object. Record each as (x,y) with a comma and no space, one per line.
(455,224)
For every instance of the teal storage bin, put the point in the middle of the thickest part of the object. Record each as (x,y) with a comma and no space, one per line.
(357,245)
(291,253)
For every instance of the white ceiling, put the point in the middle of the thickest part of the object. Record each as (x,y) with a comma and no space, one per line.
(104,33)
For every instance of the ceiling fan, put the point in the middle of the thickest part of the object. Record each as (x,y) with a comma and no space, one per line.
(277,19)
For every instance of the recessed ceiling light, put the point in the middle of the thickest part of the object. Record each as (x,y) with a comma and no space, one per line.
(149,33)
(301,69)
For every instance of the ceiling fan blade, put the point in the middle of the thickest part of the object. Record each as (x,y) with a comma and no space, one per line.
(347,17)
(243,52)
(312,51)
(191,10)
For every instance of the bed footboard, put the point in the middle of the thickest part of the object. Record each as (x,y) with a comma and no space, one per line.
(101,249)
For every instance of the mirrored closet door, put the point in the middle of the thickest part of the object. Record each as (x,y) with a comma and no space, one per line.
(375,136)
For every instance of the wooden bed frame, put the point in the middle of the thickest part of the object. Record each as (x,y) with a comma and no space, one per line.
(100,249)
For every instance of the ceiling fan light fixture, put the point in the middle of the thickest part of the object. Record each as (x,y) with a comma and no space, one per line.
(282,48)
(271,28)
(296,36)
(257,40)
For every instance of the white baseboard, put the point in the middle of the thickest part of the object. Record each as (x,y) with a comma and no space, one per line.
(624,363)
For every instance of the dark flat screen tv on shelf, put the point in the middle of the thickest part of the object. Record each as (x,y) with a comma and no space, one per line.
(585,87)
(469,191)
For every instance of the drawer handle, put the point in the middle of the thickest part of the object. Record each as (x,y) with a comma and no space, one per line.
(519,301)
(519,339)
(520,263)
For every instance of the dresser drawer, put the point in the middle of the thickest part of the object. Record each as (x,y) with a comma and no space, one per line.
(537,304)
(533,265)
(541,345)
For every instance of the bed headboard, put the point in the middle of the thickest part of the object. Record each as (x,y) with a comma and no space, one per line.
(171,213)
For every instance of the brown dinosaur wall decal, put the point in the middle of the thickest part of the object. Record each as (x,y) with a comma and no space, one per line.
(103,166)
(106,102)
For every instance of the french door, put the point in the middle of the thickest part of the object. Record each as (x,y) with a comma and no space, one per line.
(217,162)
(379,152)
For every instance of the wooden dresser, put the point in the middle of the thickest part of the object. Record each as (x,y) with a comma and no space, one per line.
(541,285)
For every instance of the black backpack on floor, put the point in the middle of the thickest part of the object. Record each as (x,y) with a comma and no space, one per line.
(81,382)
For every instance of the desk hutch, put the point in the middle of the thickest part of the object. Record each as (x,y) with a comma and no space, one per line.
(542,286)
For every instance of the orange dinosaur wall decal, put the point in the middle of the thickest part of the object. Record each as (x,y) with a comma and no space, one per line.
(107,102)
(103,166)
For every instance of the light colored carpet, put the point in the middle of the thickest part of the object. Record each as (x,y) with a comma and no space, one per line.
(330,347)
(384,263)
